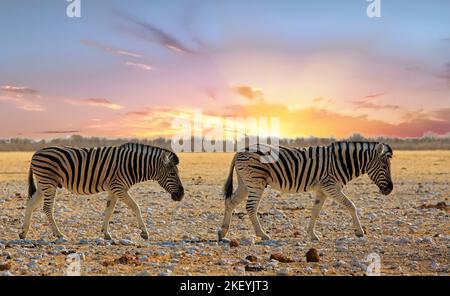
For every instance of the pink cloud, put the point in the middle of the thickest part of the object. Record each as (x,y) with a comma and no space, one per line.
(95,102)
(149,32)
(23,97)
(141,66)
(19,90)
(111,50)
(23,103)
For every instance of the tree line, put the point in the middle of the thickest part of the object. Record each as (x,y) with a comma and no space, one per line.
(427,142)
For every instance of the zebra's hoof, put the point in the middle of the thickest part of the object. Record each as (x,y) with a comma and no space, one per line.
(22,235)
(359,233)
(314,237)
(60,240)
(220,235)
(144,235)
(108,237)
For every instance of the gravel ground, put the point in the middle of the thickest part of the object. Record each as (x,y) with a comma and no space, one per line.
(407,230)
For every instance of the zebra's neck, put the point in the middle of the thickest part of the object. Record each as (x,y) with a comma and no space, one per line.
(140,164)
(352,159)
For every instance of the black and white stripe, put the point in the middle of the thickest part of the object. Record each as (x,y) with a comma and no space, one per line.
(324,169)
(92,170)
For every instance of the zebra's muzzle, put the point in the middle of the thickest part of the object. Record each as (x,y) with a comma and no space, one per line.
(177,196)
(387,189)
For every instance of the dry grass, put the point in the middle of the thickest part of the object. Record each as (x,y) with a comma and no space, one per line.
(182,234)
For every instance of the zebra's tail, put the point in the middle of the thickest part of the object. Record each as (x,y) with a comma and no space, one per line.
(31,186)
(228,187)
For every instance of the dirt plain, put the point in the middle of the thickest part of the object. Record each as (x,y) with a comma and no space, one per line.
(409,229)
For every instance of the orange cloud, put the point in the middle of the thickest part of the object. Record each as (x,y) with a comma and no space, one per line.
(249,92)
(95,102)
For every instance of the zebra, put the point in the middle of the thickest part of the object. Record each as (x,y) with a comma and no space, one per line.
(92,170)
(324,170)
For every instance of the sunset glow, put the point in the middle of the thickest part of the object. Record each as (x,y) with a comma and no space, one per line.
(129,68)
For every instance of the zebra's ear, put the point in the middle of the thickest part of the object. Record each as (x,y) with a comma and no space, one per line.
(166,158)
(380,148)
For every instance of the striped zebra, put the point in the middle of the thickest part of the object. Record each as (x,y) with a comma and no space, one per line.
(324,170)
(92,170)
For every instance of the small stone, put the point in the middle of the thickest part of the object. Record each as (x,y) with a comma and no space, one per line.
(252,258)
(404,241)
(5,266)
(191,250)
(269,242)
(339,264)
(425,240)
(240,270)
(308,269)
(281,258)
(143,273)
(83,242)
(247,242)
(371,216)
(283,272)
(312,255)
(341,249)
(234,243)
(388,239)
(32,264)
(125,242)
(254,267)
(100,241)
(167,272)
(223,262)
(272,264)
(434,265)
(6,273)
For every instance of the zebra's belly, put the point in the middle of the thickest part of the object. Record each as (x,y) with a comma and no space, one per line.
(294,188)
(82,190)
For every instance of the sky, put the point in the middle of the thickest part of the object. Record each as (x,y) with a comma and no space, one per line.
(129,68)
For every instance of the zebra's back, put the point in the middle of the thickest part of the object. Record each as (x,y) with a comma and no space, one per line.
(80,170)
(294,170)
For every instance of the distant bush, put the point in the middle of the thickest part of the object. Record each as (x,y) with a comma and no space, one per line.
(427,142)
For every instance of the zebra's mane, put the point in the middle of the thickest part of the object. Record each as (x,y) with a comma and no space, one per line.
(172,156)
(387,147)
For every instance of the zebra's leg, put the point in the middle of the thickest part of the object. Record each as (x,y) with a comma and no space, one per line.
(129,201)
(230,204)
(110,205)
(49,204)
(346,202)
(318,204)
(32,205)
(254,197)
